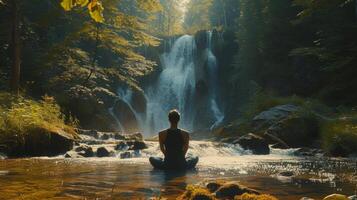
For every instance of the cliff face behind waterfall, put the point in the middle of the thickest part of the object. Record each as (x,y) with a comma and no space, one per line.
(187,79)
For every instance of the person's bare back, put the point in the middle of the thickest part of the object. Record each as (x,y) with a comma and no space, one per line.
(174,144)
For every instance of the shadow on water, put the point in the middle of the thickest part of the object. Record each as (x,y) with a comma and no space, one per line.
(172,182)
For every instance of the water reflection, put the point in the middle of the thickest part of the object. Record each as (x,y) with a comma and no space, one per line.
(133,179)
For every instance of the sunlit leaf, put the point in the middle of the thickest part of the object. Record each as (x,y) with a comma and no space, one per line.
(82,2)
(67,4)
(96,11)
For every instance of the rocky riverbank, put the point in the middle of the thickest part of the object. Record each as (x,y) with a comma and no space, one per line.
(291,126)
(219,190)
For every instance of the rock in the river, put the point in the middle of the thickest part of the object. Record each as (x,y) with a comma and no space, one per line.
(214,186)
(72,154)
(196,193)
(135,136)
(336,197)
(286,173)
(121,146)
(309,152)
(84,150)
(254,143)
(136,145)
(103,152)
(43,142)
(306,198)
(125,155)
(232,189)
(354,197)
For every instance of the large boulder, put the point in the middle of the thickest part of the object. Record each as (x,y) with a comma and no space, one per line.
(89,105)
(103,152)
(296,131)
(84,150)
(254,143)
(43,142)
(273,115)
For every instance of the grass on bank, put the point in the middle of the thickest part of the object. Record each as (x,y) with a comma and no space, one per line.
(21,117)
(339,136)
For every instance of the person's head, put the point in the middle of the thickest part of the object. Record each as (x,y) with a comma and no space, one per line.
(174,116)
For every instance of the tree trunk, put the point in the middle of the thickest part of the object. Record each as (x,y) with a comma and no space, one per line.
(15,42)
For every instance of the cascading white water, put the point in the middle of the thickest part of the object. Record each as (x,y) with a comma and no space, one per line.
(175,86)
(213,81)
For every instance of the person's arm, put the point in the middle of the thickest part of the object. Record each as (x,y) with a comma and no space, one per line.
(162,138)
(186,138)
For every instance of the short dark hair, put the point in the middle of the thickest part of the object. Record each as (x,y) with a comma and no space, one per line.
(174,116)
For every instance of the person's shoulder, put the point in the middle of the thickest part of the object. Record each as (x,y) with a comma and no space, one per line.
(183,131)
(163,132)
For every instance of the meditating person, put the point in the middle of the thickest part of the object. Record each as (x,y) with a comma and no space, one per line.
(174,143)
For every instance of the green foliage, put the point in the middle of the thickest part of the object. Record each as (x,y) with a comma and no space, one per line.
(20,117)
(339,136)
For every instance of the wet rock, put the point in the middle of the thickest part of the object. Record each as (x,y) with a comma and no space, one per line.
(92,133)
(230,190)
(277,142)
(214,186)
(196,193)
(228,140)
(121,146)
(84,150)
(254,143)
(286,173)
(103,152)
(273,115)
(118,136)
(336,197)
(2,156)
(306,198)
(104,95)
(125,155)
(89,105)
(354,197)
(43,142)
(105,136)
(72,154)
(136,145)
(309,152)
(135,136)
(296,131)
(139,101)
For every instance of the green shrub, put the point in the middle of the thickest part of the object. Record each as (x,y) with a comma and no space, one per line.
(20,117)
(339,136)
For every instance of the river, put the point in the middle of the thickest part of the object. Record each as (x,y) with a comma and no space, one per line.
(134,178)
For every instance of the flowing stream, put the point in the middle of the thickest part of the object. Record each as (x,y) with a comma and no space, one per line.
(132,177)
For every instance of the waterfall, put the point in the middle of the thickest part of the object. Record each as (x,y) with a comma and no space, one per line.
(213,82)
(175,88)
